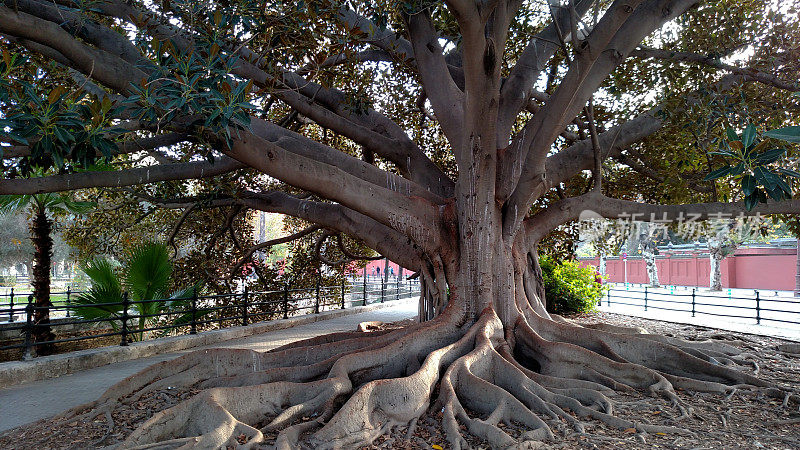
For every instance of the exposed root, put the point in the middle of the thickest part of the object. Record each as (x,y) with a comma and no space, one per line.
(347,389)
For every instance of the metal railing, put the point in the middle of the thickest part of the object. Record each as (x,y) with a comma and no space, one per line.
(759,307)
(201,313)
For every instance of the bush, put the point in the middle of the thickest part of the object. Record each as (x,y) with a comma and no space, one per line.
(8,280)
(570,288)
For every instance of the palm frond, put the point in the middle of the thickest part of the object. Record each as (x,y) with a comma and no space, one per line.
(147,271)
(181,302)
(98,303)
(102,272)
(106,288)
(10,204)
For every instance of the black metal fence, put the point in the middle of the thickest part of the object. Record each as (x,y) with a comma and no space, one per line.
(758,307)
(198,313)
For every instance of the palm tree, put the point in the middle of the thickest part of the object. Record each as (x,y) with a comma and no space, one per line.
(145,275)
(39,207)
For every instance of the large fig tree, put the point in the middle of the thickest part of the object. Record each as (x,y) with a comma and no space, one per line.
(448,136)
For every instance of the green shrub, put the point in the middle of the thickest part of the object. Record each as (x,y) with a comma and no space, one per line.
(8,280)
(570,288)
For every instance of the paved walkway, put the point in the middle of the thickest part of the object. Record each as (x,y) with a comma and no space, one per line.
(29,402)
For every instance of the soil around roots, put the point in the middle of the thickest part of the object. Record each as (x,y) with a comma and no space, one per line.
(456,385)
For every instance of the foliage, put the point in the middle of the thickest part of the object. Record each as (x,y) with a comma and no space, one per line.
(570,288)
(64,129)
(15,246)
(55,203)
(144,275)
(196,84)
(753,164)
(123,221)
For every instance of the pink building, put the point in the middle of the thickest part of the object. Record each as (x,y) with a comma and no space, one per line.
(376,267)
(770,266)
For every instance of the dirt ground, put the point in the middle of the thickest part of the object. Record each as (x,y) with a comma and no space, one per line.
(744,420)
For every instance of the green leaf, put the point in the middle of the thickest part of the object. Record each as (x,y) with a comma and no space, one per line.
(719,173)
(789,134)
(789,172)
(748,185)
(751,201)
(766,178)
(770,156)
(776,193)
(785,186)
(749,135)
(732,136)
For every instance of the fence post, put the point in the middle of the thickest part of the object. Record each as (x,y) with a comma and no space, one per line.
(286,301)
(193,328)
(608,297)
(365,286)
(11,306)
(397,289)
(693,298)
(316,305)
(124,319)
(758,308)
(244,311)
(343,279)
(27,355)
(645,298)
(383,289)
(68,294)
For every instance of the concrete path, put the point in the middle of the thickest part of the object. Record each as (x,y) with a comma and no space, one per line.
(29,402)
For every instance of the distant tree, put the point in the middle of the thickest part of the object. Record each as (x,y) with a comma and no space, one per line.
(41,208)
(15,243)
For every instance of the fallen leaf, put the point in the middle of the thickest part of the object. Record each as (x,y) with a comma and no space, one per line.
(630,430)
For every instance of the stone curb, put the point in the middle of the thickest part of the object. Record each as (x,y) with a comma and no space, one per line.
(17,372)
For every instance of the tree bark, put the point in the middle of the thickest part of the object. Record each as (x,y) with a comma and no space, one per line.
(648,246)
(40,229)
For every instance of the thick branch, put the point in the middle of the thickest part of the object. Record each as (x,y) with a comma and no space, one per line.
(383,239)
(108,69)
(127,177)
(747,73)
(440,88)
(583,78)
(413,216)
(516,91)
(594,205)
(303,146)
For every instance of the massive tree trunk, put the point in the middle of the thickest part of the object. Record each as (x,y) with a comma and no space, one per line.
(40,229)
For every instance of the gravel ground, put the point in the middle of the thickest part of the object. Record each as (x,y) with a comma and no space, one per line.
(745,420)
